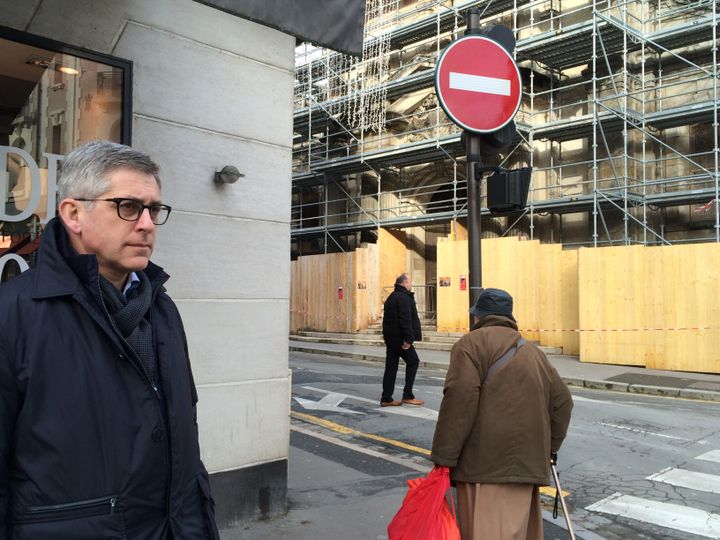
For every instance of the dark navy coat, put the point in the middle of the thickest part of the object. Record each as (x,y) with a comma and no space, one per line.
(400,318)
(89,450)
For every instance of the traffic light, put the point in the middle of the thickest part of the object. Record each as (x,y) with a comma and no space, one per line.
(507,191)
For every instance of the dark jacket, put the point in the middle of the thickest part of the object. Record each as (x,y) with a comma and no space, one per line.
(502,431)
(400,318)
(89,450)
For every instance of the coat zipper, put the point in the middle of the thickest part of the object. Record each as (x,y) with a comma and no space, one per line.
(136,365)
(90,507)
(167,425)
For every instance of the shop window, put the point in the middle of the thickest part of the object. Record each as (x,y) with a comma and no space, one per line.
(52,99)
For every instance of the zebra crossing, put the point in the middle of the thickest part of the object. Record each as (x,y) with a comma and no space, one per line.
(670,515)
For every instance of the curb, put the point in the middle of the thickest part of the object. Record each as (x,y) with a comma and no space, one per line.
(359,356)
(592,384)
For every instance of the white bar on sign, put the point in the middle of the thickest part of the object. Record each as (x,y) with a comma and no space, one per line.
(712,455)
(688,479)
(478,83)
(671,516)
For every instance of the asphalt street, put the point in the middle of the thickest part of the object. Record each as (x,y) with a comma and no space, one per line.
(635,467)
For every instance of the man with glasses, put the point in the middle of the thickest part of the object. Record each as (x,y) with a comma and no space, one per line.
(98,426)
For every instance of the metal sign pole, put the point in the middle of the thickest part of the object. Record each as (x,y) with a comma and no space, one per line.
(474,168)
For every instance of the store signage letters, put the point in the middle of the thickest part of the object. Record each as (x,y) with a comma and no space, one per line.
(35,187)
(34,202)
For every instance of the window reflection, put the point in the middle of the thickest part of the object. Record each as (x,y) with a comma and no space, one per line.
(50,103)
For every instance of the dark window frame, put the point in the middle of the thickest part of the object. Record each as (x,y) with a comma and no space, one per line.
(126,66)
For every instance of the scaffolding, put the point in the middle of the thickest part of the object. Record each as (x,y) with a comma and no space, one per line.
(619,121)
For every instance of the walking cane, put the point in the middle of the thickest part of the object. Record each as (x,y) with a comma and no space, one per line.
(559,496)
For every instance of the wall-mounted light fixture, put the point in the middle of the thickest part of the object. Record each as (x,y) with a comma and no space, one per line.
(228,175)
(68,70)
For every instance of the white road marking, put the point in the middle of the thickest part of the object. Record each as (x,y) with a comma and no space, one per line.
(413,411)
(332,399)
(671,516)
(368,451)
(712,455)
(607,402)
(328,403)
(405,410)
(579,531)
(688,479)
(589,400)
(478,83)
(645,432)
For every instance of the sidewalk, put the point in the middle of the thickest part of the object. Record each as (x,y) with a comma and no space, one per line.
(348,496)
(575,373)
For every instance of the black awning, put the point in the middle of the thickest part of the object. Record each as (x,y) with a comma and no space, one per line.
(335,24)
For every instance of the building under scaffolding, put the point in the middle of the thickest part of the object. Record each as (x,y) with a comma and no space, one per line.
(619,121)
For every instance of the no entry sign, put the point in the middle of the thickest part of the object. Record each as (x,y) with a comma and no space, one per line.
(478,84)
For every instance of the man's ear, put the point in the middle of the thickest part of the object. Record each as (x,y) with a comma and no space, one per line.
(69,211)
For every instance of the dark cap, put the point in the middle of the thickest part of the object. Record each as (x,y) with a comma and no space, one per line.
(493,302)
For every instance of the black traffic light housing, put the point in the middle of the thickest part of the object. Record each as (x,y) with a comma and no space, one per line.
(507,191)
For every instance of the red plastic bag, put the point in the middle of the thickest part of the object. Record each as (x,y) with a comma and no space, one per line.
(425,513)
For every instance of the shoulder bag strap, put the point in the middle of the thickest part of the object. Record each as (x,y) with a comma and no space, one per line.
(504,359)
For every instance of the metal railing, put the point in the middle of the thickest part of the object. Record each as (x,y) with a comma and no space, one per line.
(425,299)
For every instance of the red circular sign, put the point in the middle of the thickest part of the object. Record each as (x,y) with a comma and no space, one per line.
(478,84)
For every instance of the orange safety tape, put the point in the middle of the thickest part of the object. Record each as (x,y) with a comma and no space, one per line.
(679,328)
(544,330)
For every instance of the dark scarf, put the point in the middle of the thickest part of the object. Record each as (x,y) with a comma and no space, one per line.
(128,314)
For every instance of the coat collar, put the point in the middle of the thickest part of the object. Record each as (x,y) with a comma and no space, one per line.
(401,288)
(61,271)
(495,320)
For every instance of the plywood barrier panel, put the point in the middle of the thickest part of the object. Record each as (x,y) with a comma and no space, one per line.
(607,292)
(530,272)
(339,307)
(373,286)
(335,292)
(634,305)
(458,231)
(511,265)
(296,310)
(549,306)
(452,300)
(358,289)
(391,254)
(364,287)
(656,306)
(654,311)
(691,308)
(569,299)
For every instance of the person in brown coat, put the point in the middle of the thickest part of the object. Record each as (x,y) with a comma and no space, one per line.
(505,410)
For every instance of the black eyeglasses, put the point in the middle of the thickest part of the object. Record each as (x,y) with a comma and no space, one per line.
(131,209)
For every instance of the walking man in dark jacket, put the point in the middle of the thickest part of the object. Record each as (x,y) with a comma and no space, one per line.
(98,431)
(505,411)
(401,327)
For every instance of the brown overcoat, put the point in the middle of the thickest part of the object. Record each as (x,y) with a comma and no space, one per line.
(504,430)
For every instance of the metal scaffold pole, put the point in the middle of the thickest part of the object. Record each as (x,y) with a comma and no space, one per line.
(716,127)
(595,121)
(625,105)
(644,129)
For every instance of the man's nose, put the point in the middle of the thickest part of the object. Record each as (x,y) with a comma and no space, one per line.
(145,221)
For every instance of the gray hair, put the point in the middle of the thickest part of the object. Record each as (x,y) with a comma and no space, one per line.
(85,169)
(402,278)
